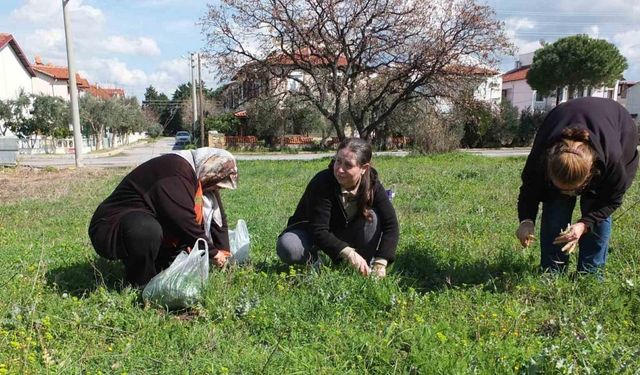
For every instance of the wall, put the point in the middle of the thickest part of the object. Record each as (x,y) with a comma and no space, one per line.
(490,90)
(519,94)
(13,75)
(46,85)
(633,100)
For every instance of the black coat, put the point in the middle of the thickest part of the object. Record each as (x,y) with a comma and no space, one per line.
(614,137)
(321,212)
(163,187)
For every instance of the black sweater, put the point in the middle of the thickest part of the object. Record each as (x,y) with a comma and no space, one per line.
(614,137)
(163,187)
(321,211)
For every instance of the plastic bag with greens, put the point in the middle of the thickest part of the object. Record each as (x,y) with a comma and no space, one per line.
(182,284)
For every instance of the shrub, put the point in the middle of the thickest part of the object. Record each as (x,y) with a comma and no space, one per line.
(225,123)
(428,130)
(435,133)
(530,121)
(154,130)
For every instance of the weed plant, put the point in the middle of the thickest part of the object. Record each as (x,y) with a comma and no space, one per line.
(462,297)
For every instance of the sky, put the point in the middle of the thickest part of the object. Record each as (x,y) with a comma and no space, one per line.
(133,44)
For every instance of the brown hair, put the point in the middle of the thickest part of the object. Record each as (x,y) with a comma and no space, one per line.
(363,152)
(571,160)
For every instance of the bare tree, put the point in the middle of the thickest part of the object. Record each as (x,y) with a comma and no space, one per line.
(360,58)
(210,106)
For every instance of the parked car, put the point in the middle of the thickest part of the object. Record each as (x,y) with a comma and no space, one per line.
(183,137)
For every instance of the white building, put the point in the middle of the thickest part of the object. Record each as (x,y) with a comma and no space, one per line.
(517,91)
(15,71)
(53,80)
(633,100)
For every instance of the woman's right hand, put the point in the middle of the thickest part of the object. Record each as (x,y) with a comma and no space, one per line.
(358,262)
(220,258)
(525,233)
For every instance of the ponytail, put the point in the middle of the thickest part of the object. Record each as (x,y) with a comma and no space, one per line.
(571,159)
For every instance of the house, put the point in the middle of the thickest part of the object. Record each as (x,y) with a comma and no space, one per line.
(53,80)
(253,80)
(632,100)
(15,71)
(517,91)
(104,93)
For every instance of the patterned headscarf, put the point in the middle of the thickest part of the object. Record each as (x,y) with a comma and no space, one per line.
(212,166)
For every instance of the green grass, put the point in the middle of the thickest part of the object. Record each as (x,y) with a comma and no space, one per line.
(462,297)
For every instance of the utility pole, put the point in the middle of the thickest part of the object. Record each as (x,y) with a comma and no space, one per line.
(192,65)
(73,88)
(200,105)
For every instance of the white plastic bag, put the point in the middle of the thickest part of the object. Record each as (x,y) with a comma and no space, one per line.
(182,284)
(239,243)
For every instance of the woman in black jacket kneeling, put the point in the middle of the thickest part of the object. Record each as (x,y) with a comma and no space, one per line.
(345,212)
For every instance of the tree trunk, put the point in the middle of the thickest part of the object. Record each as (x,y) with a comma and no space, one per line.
(100,138)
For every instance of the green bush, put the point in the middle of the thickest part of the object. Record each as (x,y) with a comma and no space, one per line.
(154,130)
(225,123)
(530,121)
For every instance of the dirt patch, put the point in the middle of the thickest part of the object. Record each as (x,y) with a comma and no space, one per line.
(21,183)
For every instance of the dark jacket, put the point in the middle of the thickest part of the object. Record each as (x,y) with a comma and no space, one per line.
(163,187)
(614,137)
(321,212)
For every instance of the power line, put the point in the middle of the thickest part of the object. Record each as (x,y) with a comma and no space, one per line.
(563,14)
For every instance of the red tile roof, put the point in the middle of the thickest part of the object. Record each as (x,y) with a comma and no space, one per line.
(59,72)
(305,55)
(470,70)
(103,93)
(10,40)
(516,74)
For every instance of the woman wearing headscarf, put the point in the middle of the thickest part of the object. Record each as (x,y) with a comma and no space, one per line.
(586,147)
(345,212)
(163,206)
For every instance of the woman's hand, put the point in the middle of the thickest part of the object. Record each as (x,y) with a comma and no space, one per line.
(525,232)
(220,259)
(356,261)
(570,237)
(379,268)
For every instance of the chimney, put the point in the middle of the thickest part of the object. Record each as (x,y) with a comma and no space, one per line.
(38,60)
(518,64)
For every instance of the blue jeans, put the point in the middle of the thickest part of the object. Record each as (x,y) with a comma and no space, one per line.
(593,246)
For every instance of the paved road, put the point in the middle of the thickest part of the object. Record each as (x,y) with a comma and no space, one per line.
(515,151)
(137,154)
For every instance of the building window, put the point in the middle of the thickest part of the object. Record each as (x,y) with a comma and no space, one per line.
(539,97)
(609,94)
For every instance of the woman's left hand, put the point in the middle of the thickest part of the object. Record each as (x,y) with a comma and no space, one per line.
(570,237)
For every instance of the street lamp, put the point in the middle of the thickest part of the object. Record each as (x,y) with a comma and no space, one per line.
(73,88)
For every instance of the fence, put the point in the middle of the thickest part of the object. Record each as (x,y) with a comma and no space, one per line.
(240,141)
(49,145)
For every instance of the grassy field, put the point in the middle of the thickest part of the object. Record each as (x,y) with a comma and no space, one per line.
(462,297)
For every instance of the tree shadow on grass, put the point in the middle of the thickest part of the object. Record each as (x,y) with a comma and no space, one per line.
(424,272)
(86,276)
